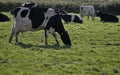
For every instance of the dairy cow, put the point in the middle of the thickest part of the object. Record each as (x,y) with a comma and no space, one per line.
(87,10)
(107,17)
(34,19)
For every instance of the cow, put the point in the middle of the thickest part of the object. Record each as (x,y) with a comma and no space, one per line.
(106,17)
(3,18)
(88,10)
(34,19)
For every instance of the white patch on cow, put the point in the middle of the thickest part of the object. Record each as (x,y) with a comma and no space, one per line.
(72,18)
(51,30)
(22,23)
(50,12)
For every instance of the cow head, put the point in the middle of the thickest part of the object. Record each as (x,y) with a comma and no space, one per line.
(98,13)
(78,19)
(65,38)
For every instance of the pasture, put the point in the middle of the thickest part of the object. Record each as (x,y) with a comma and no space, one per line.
(95,50)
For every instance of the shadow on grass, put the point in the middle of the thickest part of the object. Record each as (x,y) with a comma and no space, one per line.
(23,45)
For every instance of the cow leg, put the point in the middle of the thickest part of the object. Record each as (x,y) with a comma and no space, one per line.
(46,37)
(81,16)
(93,16)
(11,36)
(55,36)
(88,18)
(16,36)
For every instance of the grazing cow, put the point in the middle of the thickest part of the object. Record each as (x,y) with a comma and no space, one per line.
(3,18)
(87,11)
(107,17)
(72,18)
(29,5)
(36,19)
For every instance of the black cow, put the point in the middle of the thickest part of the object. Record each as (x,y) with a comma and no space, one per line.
(107,17)
(3,18)
(36,19)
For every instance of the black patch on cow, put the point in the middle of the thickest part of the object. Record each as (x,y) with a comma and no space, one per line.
(37,16)
(24,13)
(38,10)
(66,18)
(3,18)
(77,20)
(15,11)
(55,22)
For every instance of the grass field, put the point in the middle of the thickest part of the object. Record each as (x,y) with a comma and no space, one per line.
(95,50)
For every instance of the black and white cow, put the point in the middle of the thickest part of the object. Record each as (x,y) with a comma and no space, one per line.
(3,18)
(107,17)
(36,19)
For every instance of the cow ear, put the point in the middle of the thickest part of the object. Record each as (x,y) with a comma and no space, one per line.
(14,11)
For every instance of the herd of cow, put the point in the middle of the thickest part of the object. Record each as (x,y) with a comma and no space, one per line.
(31,17)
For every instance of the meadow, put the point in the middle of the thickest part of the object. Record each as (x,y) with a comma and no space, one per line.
(95,50)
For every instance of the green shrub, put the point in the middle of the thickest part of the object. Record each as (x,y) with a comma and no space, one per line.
(112,8)
(69,7)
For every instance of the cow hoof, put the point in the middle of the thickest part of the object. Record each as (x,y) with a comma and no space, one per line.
(46,43)
(17,43)
(57,44)
(10,41)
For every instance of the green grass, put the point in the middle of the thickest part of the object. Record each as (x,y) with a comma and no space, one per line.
(95,50)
